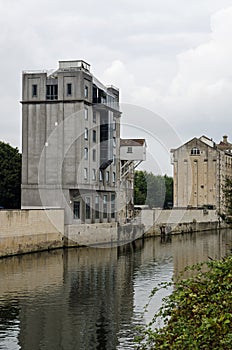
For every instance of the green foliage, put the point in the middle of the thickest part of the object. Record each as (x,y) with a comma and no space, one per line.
(140,187)
(198,314)
(153,190)
(227,190)
(10,176)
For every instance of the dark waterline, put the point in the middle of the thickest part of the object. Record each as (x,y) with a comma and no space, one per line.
(92,298)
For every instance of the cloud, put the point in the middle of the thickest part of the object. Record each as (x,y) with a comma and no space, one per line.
(198,97)
(165,56)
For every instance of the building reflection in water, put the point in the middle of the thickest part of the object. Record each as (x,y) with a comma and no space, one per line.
(92,298)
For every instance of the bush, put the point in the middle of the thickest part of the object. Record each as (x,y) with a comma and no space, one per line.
(198,314)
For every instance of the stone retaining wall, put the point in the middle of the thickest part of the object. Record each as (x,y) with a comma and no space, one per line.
(23,231)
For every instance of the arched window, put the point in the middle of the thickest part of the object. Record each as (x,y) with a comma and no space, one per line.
(195,151)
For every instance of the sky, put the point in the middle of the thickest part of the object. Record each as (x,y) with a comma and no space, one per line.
(172,61)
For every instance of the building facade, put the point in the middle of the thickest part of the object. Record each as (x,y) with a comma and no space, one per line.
(200,167)
(71,144)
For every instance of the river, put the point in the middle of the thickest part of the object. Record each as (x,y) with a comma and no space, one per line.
(93,298)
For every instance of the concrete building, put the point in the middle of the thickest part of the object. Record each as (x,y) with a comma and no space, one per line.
(200,167)
(71,144)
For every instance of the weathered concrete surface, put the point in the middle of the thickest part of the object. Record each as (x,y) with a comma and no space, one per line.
(23,231)
(158,221)
(101,234)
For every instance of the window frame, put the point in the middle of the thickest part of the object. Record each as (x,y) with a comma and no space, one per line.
(94,138)
(86,135)
(34,91)
(86,153)
(87,208)
(85,173)
(77,214)
(69,89)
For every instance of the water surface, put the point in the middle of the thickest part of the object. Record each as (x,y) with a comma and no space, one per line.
(92,298)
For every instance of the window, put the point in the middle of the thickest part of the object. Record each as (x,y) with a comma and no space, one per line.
(86,113)
(86,153)
(94,136)
(114,124)
(34,90)
(97,207)
(100,175)
(94,174)
(76,210)
(105,206)
(94,117)
(52,92)
(113,205)
(69,89)
(85,173)
(86,133)
(107,176)
(129,149)
(114,141)
(195,151)
(114,159)
(114,177)
(86,91)
(94,155)
(87,207)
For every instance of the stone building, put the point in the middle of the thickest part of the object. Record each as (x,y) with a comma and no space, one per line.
(71,144)
(200,167)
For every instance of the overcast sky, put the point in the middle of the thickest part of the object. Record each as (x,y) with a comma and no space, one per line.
(170,58)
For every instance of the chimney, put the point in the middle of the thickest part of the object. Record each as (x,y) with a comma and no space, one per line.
(225,139)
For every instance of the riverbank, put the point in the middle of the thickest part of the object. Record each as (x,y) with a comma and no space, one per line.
(24,231)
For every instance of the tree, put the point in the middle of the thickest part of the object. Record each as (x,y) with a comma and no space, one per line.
(10,176)
(153,190)
(140,187)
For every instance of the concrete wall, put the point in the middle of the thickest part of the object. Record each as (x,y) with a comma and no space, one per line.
(23,231)
(138,153)
(104,233)
(178,220)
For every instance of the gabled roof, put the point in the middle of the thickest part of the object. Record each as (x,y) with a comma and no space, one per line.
(208,142)
(132,142)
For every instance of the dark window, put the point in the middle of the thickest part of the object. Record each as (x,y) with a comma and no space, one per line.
(105,206)
(69,89)
(94,136)
(97,207)
(76,210)
(94,117)
(87,207)
(107,176)
(34,90)
(195,151)
(113,205)
(129,150)
(52,92)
